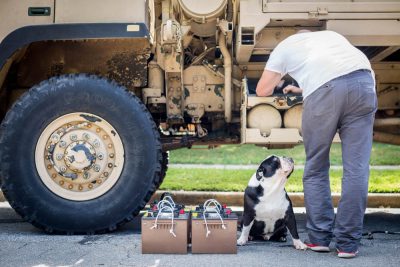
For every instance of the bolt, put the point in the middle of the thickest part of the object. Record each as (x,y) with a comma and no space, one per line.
(89,125)
(86,136)
(80,188)
(63,169)
(105,174)
(59,156)
(96,168)
(112,155)
(54,175)
(96,143)
(109,145)
(110,165)
(73,137)
(63,143)
(49,166)
(98,130)
(70,186)
(86,175)
(100,156)
(99,181)
(90,186)
(61,182)
(55,137)
(105,137)
(220,106)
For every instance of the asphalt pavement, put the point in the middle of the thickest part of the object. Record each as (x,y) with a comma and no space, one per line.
(21,244)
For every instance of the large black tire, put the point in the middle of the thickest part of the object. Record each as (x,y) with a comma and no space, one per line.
(26,120)
(164,168)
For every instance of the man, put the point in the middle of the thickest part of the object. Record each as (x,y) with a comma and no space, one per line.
(338,88)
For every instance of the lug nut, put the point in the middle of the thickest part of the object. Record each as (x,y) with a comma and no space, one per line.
(86,136)
(110,165)
(98,130)
(105,137)
(59,156)
(63,143)
(55,137)
(73,137)
(96,168)
(105,174)
(80,188)
(112,155)
(61,182)
(109,145)
(49,166)
(90,186)
(53,175)
(96,143)
(100,156)
(63,169)
(70,186)
(86,175)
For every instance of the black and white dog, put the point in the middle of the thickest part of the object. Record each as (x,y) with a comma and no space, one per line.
(268,210)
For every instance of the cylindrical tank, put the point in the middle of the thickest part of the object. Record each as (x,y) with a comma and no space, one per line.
(292,117)
(203,14)
(264,117)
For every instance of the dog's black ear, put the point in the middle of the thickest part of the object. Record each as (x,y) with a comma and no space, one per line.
(260,172)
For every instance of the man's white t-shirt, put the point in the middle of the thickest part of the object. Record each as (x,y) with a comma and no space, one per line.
(314,58)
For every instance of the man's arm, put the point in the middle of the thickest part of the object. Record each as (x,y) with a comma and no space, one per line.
(267,83)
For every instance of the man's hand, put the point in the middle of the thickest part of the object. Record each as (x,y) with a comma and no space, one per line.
(293,89)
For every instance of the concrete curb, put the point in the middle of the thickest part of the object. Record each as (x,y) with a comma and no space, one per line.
(375,200)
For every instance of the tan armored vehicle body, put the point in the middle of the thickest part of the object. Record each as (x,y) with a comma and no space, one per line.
(94,93)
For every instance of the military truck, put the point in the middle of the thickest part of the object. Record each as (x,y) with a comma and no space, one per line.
(94,93)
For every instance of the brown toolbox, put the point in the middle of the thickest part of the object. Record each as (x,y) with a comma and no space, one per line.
(165,231)
(214,230)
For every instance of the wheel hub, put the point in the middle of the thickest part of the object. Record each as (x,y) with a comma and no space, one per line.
(79,159)
(79,156)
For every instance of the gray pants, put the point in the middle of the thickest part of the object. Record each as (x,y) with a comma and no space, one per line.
(346,104)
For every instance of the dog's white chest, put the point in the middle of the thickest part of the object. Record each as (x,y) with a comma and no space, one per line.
(270,209)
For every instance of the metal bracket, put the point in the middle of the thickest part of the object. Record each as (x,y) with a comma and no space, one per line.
(321,11)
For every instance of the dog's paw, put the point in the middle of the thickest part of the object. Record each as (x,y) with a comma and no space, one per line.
(282,239)
(299,245)
(241,241)
(266,237)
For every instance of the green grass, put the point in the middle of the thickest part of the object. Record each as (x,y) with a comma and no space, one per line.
(382,154)
(381,181)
